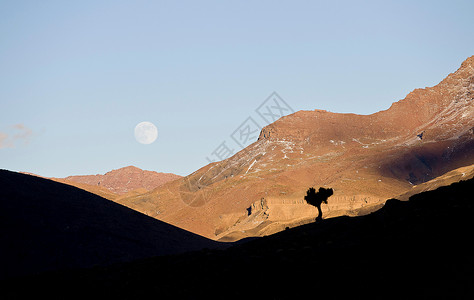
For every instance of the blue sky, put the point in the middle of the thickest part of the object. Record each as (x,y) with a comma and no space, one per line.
(77,76)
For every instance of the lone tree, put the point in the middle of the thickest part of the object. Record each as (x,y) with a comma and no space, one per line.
(316,199)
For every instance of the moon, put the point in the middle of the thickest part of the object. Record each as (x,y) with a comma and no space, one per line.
(146,133)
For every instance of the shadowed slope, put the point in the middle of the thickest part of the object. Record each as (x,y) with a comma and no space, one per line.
(417,249)
(45,225)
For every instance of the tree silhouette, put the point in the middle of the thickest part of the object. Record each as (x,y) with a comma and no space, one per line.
(316,199)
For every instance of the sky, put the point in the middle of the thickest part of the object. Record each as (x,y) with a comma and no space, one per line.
(76,77)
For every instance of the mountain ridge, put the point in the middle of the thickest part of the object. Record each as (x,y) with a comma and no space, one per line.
(123,180)
(365,158)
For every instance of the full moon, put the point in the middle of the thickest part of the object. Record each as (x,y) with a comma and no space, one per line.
(146,132)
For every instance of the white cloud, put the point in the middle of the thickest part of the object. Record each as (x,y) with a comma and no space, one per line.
(23,133)
(19,134)
(4,142)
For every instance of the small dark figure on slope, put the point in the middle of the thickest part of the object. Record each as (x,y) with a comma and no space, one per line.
(316,199)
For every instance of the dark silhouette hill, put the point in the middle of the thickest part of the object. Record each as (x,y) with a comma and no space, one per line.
(46,225)
(416,249)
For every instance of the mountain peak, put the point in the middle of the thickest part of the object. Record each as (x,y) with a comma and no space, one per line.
(126,179)
(130,168)
(127,169)
(469,62)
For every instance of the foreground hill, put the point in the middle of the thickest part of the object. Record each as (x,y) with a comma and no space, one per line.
(46,225)
(366,159)
(417,249)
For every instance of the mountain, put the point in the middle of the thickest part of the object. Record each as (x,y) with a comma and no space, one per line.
(364,158)
(416,249)
(123,180)
(46,225)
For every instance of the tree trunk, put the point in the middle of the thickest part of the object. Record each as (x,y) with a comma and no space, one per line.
(320,213)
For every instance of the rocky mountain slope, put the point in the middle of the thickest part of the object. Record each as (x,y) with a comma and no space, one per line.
(416,249)
(123,180)
(366,159)
(46,225)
